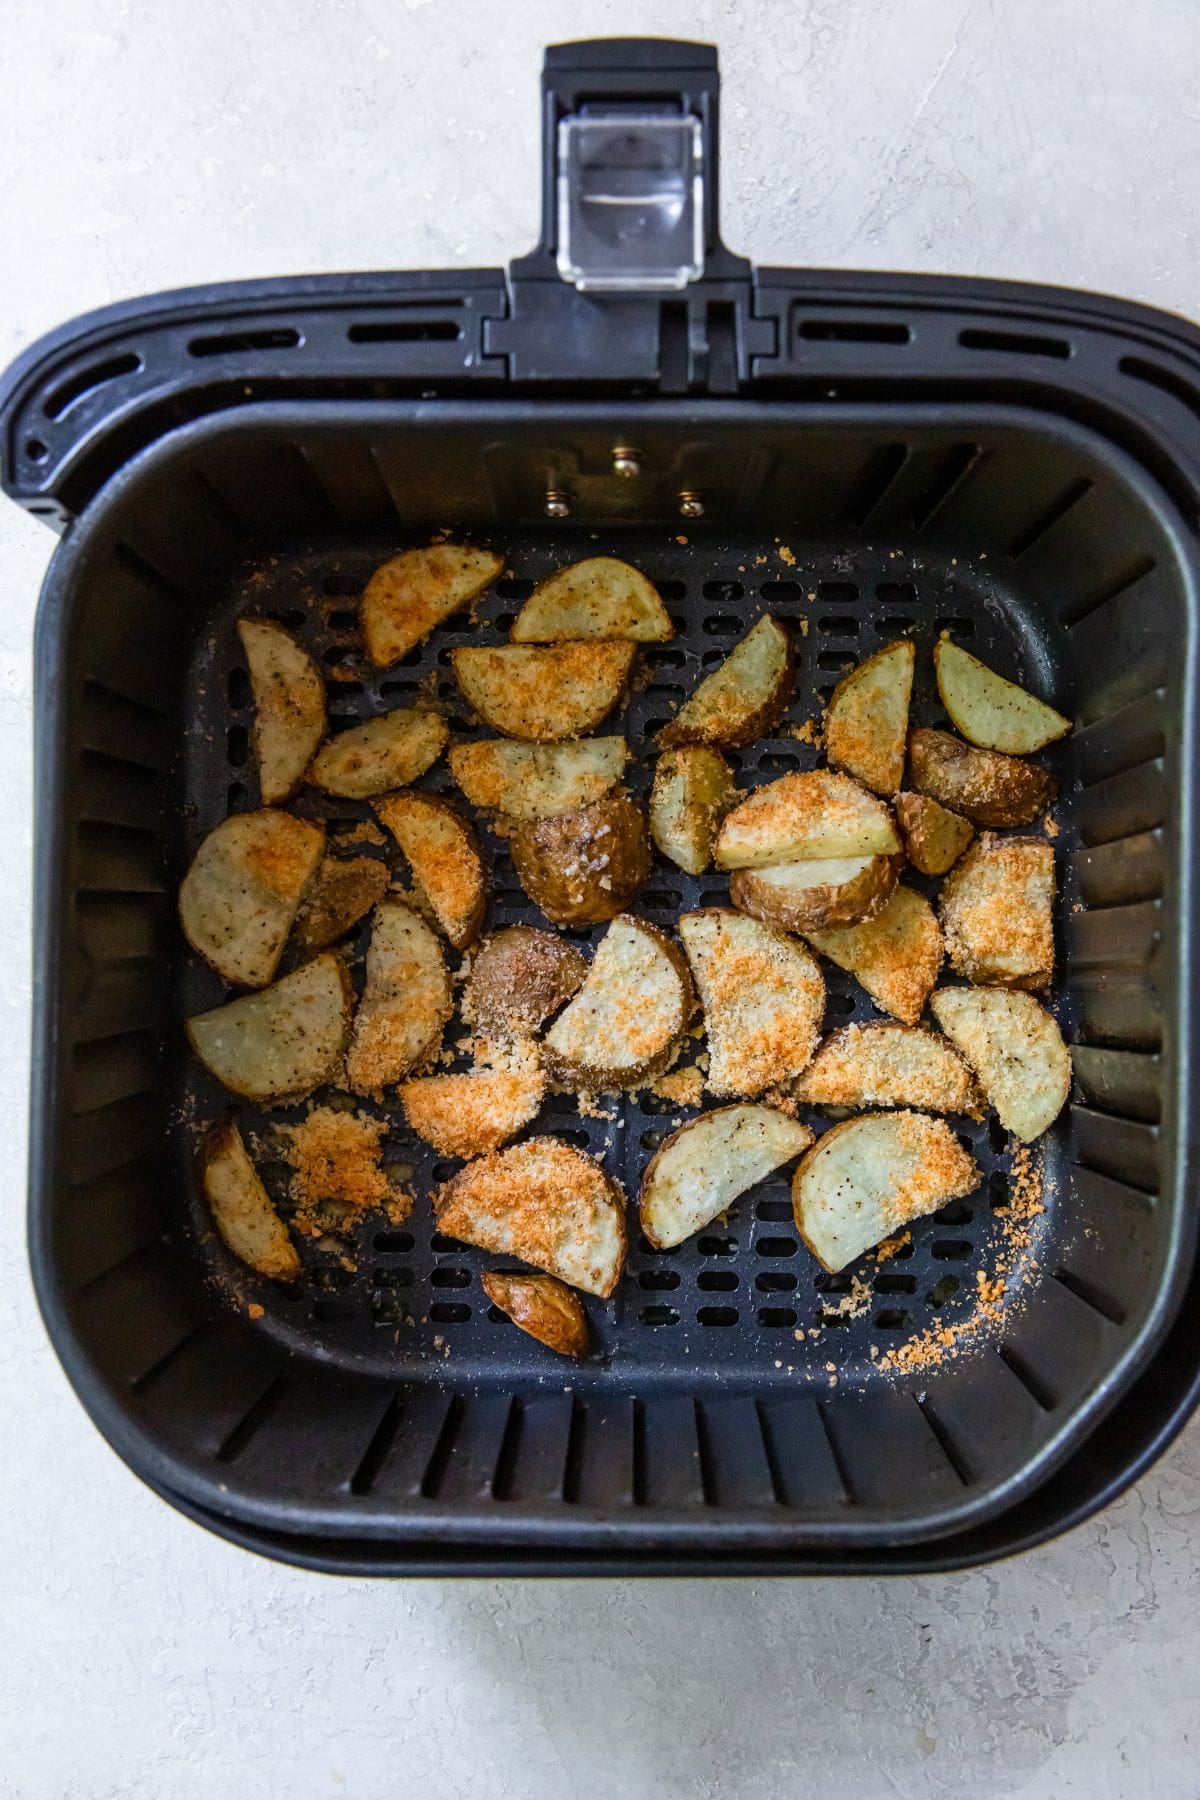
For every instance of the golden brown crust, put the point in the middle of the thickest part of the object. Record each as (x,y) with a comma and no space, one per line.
(242,1210)
(885,1063)
(469,1114)
(866,721)
(406,1001)
(934,837)
(895,956)
(693,790)
(817,908)
(410,594)
(442,851)
(997,912)
(763,996)
(543,693)
(601,597)
(243,889)
(346,889)
(984,785)
(649,1042)
(519,977)
(289,706)
(542,1306)
(712,715)
(586,866)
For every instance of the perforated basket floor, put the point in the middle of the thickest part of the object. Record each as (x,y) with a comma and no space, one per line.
(743,1301)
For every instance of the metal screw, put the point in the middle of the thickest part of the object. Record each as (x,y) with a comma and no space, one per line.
(691,506)
(557,504)
(626,463)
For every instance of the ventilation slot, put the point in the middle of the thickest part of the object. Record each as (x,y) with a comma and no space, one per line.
(62,398)
(1015,343)
(854,331)
(405,331)
(238,343)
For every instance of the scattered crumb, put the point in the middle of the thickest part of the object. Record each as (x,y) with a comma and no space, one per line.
(1077,906)
(782,1101)
(758,561)
(803,623)
(892,1246)
(786,555)
(335,1156)
(1051,826)
(681,539)
(364,833)
(684,1086)
(589,1107)
(255,1311)
(807,732)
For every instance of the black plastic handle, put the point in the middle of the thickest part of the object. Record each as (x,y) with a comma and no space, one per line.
(665,75)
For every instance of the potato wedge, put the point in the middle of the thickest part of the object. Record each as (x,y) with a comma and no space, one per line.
(406,1001)
(518,978)
(693,790)
(700,1170)
(601,597)
(934,839)
(546,692)
(466,1115)
(384,753)
(289,706)
(346,889)
(626,1023)
(800,818)
(241,1207)
(544,1202)
(895,956)
(443,853)
(280,1044)
(244,888)
(813,896)
(866,721)
(410,594)
(866,1178)
(984,786)
(997,912)
(763,998)
(535,781)
(886,1064)
(541,1306)
(988,710)
(744,698)
(1016,1050)
(585,866)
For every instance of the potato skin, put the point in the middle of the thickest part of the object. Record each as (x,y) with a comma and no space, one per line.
(518,978)
(933,837)
(463,930)
(747,727)
(986,786)
(544,1307)
(818,908)
(586,866)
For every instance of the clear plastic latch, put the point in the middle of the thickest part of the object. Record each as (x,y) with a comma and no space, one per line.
(630,201)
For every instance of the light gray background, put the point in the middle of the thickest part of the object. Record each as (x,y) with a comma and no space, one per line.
(150,145)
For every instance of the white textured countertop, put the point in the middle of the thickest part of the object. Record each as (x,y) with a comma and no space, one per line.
(150,145)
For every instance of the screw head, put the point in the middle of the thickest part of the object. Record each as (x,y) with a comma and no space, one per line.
(691,506)
(626,463)
(557,506)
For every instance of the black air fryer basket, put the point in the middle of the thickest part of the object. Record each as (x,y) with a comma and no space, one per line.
(864,455)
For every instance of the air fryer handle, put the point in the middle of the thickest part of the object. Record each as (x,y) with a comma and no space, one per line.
(630,167)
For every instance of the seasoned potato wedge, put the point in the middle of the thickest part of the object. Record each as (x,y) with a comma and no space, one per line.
(866,1178)
(763,998)
(535,781)
(518,978)
(443,853)
(246,884)
(997,912)
(545,692)
(933,838)
(799,818)
(744,698)
(585,866)
(989,711)
(599,598)
(406,1001)
(625,1024)
(469,1114)
(541,1306)
(895,956)
(812,896)
(1016,1050)
(866,721)
(346,889)
(544,1202)
(289,706)
(384,753)
(281,1043)
(886,1064)
(410,594)
(693,790)
(701,1169)
(241,1207)
(986,787)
